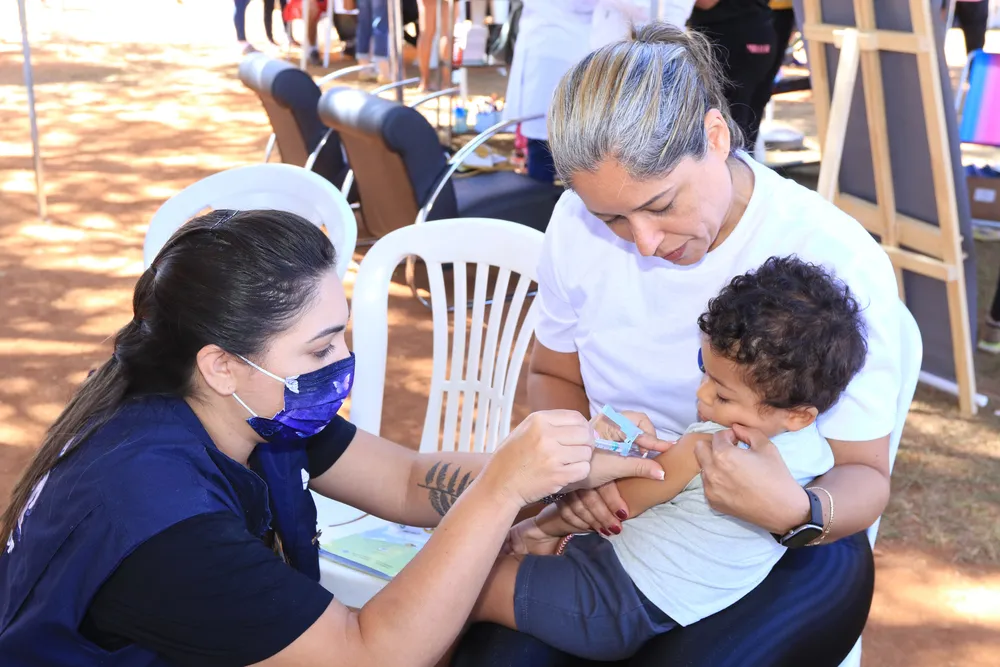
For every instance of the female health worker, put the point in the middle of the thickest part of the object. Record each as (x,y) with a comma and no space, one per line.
(152,526)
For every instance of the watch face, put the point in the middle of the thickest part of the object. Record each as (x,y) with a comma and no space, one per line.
(802,536)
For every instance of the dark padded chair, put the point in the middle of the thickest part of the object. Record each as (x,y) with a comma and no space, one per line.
(403,175)
(289,96)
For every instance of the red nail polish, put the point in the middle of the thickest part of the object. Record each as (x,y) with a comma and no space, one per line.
(605,533)
(621,514)
(616,530)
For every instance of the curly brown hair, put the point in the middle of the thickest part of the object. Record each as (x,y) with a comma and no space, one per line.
(796,330)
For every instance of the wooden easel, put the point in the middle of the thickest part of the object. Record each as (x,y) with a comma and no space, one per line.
(912,244)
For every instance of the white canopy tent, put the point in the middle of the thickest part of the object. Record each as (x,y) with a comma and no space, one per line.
(29,84)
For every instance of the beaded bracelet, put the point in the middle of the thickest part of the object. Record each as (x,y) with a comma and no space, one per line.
(562,545)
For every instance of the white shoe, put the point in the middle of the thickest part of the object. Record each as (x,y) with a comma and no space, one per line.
(366,75)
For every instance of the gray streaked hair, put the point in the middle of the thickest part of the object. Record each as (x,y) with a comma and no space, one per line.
(641,102)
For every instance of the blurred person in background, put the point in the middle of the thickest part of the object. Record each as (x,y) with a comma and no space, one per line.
(425,42)
(972,16)
(783,20)
(553,35)
(371,42)
(240,21)
(747,47)
(269,23)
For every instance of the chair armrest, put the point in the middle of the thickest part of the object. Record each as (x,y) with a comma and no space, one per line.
(341,73)
(433,96)
(458,158)
(311,160)
(345,189)
(271,141)
(398,84)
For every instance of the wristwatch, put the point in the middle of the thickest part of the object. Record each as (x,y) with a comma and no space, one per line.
(808,532)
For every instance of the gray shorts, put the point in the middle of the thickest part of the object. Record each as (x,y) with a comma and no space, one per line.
(584,603)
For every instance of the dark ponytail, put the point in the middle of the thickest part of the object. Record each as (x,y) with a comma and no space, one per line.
(233,279)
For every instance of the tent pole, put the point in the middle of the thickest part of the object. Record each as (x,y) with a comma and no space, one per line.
(29,84)
(396,66)
(949,19)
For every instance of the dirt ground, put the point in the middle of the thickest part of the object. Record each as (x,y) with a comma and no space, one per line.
(135,106)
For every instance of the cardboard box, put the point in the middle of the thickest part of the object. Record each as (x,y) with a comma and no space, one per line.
(984,197)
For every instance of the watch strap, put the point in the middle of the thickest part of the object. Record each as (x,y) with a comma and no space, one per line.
(802,535)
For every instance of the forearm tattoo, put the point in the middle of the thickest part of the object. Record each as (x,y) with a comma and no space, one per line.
(444,489)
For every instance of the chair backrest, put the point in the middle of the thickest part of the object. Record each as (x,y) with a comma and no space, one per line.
(260,186)
(475,376)
(911,355)
(395,154)
(290,96)
(981,108)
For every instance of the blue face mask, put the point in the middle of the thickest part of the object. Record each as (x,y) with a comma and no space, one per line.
(312,401)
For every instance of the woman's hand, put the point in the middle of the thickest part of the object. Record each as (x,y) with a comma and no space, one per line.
(527,538)
(545,453)
(597,505)
(751,484)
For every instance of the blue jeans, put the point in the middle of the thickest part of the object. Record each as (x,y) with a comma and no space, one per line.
(373,25)
(240,19)
(541,167)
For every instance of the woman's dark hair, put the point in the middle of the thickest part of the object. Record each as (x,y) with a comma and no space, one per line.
(795,330)
(233,279)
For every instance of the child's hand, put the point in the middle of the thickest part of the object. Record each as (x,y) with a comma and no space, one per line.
(527,538)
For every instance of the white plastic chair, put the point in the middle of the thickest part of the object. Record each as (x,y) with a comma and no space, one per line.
(911,354)
(474,374)
(283,187)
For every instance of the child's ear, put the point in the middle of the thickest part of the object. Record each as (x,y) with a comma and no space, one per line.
(797,419)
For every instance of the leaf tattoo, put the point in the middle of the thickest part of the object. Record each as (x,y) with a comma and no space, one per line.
(444,490)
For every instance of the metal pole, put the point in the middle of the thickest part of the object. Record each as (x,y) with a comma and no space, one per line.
(446,26)
(303,59)
(29,84)
(950,17)
(396,46)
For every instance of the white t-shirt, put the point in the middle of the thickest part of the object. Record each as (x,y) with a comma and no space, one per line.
(692,561)
(553,35)
(633,319)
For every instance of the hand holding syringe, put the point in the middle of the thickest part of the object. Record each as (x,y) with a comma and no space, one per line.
(614,432)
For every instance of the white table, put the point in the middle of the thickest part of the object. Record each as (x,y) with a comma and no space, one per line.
(351,587)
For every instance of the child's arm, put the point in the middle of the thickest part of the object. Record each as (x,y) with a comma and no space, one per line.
(679,467)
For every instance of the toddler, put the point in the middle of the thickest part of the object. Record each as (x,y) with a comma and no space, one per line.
(779,346)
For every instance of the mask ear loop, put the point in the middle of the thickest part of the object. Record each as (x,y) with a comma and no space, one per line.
(292,383)
(245,406)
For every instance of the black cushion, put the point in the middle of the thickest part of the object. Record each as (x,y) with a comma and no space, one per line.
(396,157)
(398,161)
(506,196)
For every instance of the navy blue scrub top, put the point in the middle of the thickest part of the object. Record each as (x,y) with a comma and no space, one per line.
(150,467)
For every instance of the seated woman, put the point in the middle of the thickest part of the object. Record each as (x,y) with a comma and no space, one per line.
(665,209)
(779,346)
